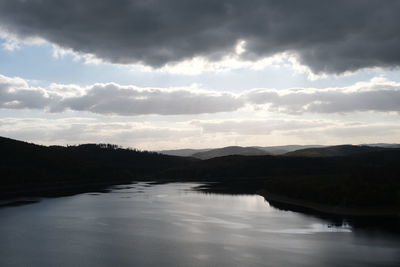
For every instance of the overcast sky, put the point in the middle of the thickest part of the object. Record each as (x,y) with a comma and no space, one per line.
(157,74)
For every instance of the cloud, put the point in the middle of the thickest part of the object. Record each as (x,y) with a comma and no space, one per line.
(345,133)
(15,93)
(114,99)
(202,133)
(83,130)
(328,36)
(365,130)
(129,100)
(377,95)
(311,131)
(256,127)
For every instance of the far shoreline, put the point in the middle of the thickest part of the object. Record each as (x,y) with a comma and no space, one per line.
(330,209)
(31,195)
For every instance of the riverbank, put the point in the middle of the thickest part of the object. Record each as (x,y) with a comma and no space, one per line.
(58,190)
(330,209)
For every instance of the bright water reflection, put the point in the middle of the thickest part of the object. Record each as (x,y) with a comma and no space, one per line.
(170,225)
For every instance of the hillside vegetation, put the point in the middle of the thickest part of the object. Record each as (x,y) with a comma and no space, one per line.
(28,167)
(362,179)
(334,151)
(230,150)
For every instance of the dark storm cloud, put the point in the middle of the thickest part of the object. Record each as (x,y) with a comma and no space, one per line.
(328,36)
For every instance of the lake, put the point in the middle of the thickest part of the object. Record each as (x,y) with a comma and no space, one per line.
(172,225)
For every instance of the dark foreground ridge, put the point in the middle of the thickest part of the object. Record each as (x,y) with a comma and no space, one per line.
(29,169)
(361,181)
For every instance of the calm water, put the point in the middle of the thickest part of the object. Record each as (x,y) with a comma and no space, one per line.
(170,225)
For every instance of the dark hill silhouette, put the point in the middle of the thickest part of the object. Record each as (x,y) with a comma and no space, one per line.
(230,150)
(182,152)
(273,150)
(280,150)
(239,166)
(363,179)
(383,145)
(27,167)
(333,151)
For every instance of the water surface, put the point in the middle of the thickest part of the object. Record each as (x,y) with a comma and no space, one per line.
(172,225)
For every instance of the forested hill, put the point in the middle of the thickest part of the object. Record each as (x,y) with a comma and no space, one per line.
(361,179)
(230,150)
(239,166)
(29,167)
(335,151)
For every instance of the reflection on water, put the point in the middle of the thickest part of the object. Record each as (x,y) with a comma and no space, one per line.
(171,225)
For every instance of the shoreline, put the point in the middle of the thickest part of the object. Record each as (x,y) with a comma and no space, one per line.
(330,209)
(58,190)
(32,194)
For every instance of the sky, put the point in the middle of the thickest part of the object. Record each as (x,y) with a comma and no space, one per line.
(156,74)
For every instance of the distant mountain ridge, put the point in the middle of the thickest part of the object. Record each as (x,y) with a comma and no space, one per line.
(287,150)
(334,151)
(230,150)
(280,150)
(383,145)
(182,152)
(273,150)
